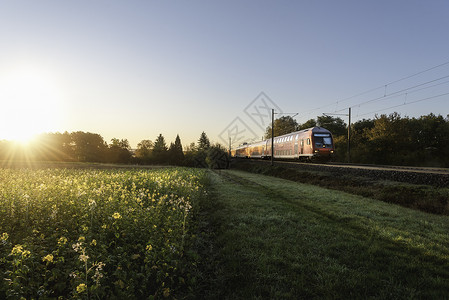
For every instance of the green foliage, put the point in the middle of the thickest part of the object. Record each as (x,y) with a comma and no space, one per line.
(308,124)
(334,124)
(282,125)
(97,234)
(403,141)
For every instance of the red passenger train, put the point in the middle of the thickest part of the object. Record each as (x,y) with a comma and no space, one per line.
(311,143)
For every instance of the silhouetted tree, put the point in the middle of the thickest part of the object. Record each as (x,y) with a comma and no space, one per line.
(119,151)
(144,149)
(175,153)
(53,147)
(88,147)
(217,157)
(159,154)
(203,142)
(189,155)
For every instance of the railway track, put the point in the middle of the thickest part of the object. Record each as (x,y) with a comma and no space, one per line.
(425,170)
(428,176)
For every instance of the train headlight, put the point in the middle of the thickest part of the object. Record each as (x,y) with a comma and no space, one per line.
(316,151)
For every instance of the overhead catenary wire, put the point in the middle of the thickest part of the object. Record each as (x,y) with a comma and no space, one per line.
(385,95)
(401,92)
(406,103)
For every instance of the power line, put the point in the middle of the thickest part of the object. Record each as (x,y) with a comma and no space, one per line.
(379,87)
(408,103)
(396,81)
(398,93)
(419,73)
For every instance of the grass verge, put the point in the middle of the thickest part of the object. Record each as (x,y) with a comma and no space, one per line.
(269,238)
(426,198)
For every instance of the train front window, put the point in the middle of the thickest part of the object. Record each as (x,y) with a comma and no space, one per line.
(323,140)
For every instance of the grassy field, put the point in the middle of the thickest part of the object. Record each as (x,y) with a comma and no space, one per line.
(89,233)
(270,238)
(431,195)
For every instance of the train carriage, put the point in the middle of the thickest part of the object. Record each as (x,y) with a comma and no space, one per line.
(312,143)
(258,150)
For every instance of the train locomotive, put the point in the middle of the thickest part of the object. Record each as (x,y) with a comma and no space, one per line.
(314,143)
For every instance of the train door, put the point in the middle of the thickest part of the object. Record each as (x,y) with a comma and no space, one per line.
(302,147)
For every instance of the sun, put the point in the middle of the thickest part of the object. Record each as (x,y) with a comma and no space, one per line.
(31,103)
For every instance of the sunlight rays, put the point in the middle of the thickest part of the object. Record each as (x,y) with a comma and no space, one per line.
(32,101)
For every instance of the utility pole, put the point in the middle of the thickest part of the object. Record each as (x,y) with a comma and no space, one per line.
(272,136)
(349,136)
(349,130)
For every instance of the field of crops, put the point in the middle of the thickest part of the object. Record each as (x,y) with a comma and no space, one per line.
(96,233)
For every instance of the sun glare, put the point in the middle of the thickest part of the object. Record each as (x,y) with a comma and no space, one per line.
(31,103)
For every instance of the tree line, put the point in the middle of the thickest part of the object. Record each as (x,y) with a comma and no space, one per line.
(386,139)
(82,146)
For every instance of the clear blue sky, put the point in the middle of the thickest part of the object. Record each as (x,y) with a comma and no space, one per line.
(134,69)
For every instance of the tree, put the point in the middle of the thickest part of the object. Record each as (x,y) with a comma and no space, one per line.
(431,139)
(308,124)
(88,147)
(175,153)
(143,151)
(389,139)
(160,150)
(52,147)
(191,147)
(360,147)
(334,124)
(203,142)
(119,151)
(217,157)
(282,126)
(189,155)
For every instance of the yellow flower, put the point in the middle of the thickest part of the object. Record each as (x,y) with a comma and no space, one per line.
(18,249)
(81,239)
(81,288)
(94,242)
(149,247)
(4,236)
(48,258)
(116,216)
(62,240)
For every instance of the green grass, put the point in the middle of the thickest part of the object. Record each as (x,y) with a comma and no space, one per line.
(271,238)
